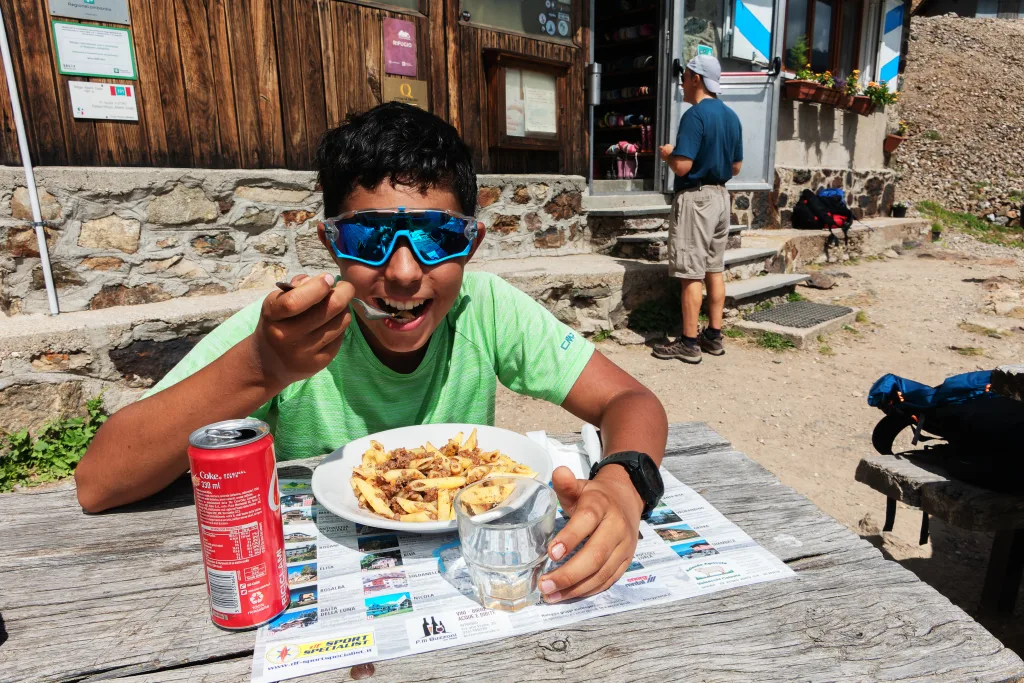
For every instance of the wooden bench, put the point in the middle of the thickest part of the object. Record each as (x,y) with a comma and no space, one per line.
(922,484)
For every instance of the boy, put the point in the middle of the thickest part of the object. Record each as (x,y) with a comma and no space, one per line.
(297,361)
(707,154)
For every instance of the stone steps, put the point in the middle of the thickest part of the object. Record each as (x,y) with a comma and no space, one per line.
(743,292)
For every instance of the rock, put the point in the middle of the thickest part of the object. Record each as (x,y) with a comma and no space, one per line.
(532,221)
(505,224)
(182,206)
(1011,308)
(1002,221)
(742,202)
(272,195)
(120,295)
(30,406)
(539,191)
(165,243)
(552,238)
(627,337)
(49,207)
(112,232)
(911,244)
(102,263)
(151,360)
(208,289)
(820,280)
(899,250)
(220,244)
(521,195)
(188,270)
(62,277)
(263,275)
(23,243)
(54,361)
(801,176)
(159,266)
(296,217)
(255,220)
(487,196)
(890,253)
(564,205)
(271,243)
(312,254)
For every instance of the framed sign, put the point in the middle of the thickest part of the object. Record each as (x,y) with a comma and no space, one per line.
(111,11)
(406,90)
(88,50)
(399,47)
(103,101)
(525,95)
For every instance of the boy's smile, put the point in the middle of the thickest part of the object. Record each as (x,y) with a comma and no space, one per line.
(422,295)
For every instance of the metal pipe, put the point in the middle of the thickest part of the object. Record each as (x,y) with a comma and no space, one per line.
(30,176)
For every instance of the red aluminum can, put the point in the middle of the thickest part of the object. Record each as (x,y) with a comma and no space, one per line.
(234,477)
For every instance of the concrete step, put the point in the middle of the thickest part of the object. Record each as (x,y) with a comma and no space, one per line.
(624,200)
(741,292)
(653,246)
(641,211)
(662,235)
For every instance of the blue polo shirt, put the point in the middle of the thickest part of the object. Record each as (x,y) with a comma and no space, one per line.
(709,133)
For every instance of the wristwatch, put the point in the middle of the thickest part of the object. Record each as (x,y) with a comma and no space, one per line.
(643,472)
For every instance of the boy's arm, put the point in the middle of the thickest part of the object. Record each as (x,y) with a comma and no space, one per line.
(142,448)
(608,508)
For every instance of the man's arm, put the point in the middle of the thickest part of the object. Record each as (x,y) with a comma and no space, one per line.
(605,511)
(677,164)
(736,166)
(142,448)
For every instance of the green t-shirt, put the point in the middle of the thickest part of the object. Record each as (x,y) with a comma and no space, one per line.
(493,331)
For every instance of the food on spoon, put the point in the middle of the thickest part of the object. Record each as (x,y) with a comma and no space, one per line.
(419,484)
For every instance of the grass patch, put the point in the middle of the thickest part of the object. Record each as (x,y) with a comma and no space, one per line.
(851,329)
(51,454)
(733,333)
(774,342)
(933,135)
(826,350)
(600,336)
(969,350)
(862,317)
(979,329)
(795,296)
(765,305)
(971,225)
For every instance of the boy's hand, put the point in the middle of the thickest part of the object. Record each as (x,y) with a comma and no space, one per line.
(300,331)
(606,509)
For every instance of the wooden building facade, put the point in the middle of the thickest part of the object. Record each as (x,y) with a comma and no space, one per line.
(253,83)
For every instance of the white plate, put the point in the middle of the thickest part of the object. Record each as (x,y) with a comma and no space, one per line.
(331,477)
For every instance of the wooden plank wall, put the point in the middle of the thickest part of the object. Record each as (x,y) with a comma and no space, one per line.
(253,84)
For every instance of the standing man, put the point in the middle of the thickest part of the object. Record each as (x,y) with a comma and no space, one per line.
(708,153)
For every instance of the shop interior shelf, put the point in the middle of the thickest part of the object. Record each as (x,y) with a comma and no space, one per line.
(613,129)
(626,43)
(642,98)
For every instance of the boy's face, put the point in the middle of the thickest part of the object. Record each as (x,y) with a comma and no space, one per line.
(403,279)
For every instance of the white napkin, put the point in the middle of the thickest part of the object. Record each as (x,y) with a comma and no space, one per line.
(577,459)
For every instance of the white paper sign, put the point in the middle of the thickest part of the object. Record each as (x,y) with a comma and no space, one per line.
(515,125)
(86,50)
(113,11)
(104,101)
(539,103)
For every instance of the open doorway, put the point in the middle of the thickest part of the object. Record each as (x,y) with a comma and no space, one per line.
(628,44)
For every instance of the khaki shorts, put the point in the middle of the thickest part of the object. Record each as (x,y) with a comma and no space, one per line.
(697,232)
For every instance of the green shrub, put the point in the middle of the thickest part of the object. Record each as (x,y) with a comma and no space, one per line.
(774,342)
(53,453)
(601,335)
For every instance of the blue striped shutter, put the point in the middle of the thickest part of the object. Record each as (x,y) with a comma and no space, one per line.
(752,34)
(889,51)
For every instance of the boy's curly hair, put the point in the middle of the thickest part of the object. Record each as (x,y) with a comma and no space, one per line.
(398,143)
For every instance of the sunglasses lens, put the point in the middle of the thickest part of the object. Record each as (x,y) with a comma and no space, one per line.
(435,235)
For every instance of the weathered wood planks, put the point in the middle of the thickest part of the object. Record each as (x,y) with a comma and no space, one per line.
(124,594)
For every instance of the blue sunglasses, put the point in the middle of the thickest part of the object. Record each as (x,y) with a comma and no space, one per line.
(370,236)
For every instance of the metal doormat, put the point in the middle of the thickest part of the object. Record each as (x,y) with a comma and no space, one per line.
(799,314)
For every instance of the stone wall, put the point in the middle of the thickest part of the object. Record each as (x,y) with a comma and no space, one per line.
(868,193)
(121,236)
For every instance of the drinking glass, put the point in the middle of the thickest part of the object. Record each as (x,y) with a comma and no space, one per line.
(505,548)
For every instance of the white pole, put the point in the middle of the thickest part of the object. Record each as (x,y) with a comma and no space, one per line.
(30,176)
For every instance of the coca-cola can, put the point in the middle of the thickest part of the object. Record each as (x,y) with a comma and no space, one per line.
(234,477)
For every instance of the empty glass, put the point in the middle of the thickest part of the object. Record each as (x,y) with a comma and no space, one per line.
(505,548)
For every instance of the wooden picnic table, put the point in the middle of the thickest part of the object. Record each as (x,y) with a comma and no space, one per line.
(120,596)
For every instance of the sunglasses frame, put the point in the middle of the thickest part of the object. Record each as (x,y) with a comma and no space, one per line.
(333,233)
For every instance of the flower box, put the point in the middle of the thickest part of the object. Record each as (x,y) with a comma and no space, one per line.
(898,212)
(829,96)
(891,143)
(863,105)
(846,102)
(801,90)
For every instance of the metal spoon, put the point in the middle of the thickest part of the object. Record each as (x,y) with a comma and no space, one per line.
(371,312)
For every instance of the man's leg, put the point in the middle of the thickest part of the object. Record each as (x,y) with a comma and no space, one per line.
(715,283)
(692,296)
(711,341)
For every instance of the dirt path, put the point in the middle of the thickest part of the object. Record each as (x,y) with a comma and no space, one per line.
(804,416)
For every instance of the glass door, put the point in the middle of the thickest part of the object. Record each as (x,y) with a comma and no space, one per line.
(746,36)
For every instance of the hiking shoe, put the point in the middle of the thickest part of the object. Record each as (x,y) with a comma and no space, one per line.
(678,349)
(716,347)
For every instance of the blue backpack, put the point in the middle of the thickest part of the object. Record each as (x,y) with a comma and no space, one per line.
(983,431)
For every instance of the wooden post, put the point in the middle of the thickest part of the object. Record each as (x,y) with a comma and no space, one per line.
(1002,580)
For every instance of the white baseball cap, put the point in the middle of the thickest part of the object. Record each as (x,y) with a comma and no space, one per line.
(708,67)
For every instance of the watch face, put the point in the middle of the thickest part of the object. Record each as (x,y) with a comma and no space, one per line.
(652,476)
